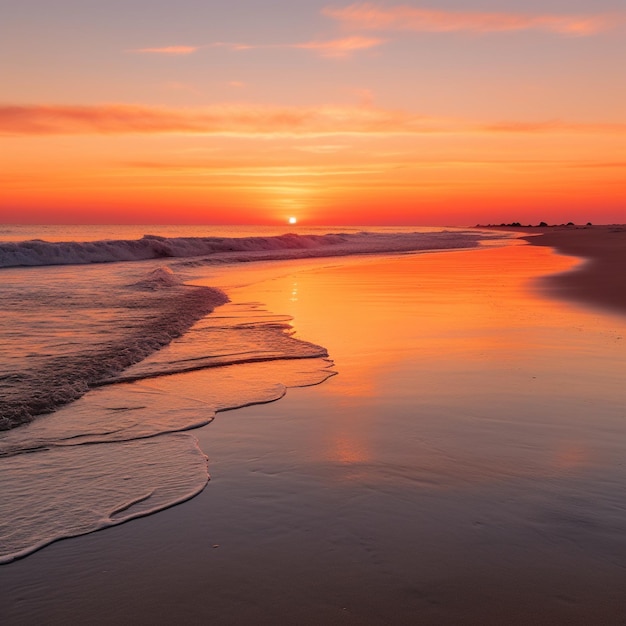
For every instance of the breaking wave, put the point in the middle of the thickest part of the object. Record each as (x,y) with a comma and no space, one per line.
(149,322)
(230,249)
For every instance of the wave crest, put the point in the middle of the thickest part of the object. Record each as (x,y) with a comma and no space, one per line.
(231,249)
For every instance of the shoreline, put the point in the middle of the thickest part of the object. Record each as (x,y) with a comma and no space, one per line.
(452,466)
(599,280)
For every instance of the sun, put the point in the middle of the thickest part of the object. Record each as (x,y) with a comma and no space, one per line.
(293,220)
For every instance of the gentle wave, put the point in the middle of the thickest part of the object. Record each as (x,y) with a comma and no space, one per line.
(119,451)
(230,249)
(57,380)
(66,492)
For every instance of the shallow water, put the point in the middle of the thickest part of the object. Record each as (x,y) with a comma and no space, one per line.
(75,336)
(464,467)
(80,456)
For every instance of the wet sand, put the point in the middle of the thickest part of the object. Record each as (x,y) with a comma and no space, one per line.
(601,281)
(464,467)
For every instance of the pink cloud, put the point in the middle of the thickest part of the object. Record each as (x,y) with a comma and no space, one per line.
(339,47)
(170,50)
(329,48)
(369,16)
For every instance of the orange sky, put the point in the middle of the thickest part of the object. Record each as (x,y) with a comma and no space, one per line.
(356,113)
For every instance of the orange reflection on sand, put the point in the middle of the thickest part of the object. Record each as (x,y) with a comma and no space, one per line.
(571,455)
(423,308)
(347,449)
(458,355)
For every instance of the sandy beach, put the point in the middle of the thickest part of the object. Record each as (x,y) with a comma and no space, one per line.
(600,280)
(465,466)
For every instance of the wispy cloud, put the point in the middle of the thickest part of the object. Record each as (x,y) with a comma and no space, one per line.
(261,171)
(327,48)
(369,16)
(555,126)
(323,149)
(169,50)
(249,120)
(339,47)
(226,119)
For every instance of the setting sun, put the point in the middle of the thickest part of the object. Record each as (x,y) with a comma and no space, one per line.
(338,134)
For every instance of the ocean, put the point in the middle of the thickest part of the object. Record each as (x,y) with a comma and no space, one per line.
(92,316)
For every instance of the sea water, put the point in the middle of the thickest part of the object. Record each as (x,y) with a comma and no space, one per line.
(94,317)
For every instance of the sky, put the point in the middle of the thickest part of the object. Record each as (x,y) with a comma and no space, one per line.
(451,112)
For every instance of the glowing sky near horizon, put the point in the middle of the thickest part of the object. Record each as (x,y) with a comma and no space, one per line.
(196,111)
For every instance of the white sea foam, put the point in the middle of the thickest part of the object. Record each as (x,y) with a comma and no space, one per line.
(160,278)
(91,461)
(77,490)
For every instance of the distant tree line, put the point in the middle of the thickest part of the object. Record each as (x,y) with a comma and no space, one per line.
(520,225)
